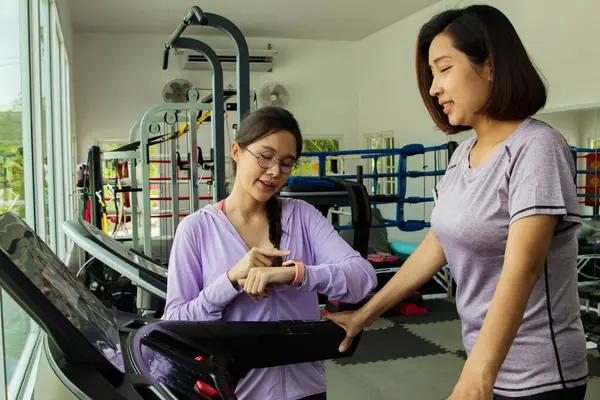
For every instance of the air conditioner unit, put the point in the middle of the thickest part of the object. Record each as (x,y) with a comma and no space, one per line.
(260,60)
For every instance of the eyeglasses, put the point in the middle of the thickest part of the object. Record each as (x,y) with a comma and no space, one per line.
(267,159)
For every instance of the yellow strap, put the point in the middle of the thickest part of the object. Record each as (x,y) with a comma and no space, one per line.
(185,128)
(204,116)
(104,224)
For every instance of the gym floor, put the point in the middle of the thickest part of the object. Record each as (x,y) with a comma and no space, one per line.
(413,357)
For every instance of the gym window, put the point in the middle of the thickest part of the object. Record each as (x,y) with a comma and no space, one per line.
(309,166)
(36,162)
(385,165)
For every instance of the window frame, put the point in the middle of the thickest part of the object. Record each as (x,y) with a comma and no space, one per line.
(28,15)
(54,74)
(26,112)
(51,236)
(19,382)
(69,170)
(35,92)
(388,164)
(57,162)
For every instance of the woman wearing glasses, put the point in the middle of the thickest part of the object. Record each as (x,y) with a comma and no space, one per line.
(221,263)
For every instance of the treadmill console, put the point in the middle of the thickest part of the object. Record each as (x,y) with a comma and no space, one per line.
(196,359)
(39,281)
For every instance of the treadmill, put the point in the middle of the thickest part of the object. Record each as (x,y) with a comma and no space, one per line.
(139,269)
(144,272)
(99,353)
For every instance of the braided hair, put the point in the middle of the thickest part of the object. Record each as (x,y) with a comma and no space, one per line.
(255,126)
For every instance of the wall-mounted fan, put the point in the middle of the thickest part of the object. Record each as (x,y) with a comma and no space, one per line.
(176,91)
(273,94)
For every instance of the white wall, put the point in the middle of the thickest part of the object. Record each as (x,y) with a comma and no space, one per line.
(567,123)
(389,98)
(119,77)
(589,126)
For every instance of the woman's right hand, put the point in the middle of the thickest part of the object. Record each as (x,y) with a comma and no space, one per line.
(256,257)
(352,321)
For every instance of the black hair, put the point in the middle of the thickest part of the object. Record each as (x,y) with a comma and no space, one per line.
(483,33)
(257,125)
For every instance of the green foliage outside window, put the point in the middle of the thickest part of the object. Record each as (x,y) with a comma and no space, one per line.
(11,163)
(316,145)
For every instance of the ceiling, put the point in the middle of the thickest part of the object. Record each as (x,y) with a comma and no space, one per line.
(299,19)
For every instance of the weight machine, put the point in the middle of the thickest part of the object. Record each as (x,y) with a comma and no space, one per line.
(164,125)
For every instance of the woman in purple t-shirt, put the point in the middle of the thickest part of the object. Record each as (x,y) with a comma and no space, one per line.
(505,216)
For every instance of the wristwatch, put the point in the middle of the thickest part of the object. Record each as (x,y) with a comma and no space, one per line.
(299,278)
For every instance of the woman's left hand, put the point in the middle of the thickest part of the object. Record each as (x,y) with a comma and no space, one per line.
(258,278)
(472,388)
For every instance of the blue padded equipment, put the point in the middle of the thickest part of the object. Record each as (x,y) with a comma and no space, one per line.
(403,249)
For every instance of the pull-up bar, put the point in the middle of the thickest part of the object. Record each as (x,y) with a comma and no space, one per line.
(218,125)
(194,17)
(198,17)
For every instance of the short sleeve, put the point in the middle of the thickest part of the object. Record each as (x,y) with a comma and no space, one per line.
(542,179)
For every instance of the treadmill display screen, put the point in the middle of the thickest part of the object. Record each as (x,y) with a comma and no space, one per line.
(48,273)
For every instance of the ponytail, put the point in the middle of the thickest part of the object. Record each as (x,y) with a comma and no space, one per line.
(273,206)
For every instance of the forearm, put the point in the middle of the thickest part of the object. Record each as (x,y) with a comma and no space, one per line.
(186,303)
(501,323)
(349,281)
(418,269)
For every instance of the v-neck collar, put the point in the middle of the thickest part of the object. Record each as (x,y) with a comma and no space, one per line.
(286,210)
(472,173)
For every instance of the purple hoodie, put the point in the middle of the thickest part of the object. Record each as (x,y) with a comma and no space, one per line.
(206,245)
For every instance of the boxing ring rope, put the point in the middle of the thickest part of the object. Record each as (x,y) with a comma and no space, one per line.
(401,174)
(399,198)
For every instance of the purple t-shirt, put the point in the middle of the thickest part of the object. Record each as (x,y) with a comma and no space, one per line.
(531,172)
(206,245)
